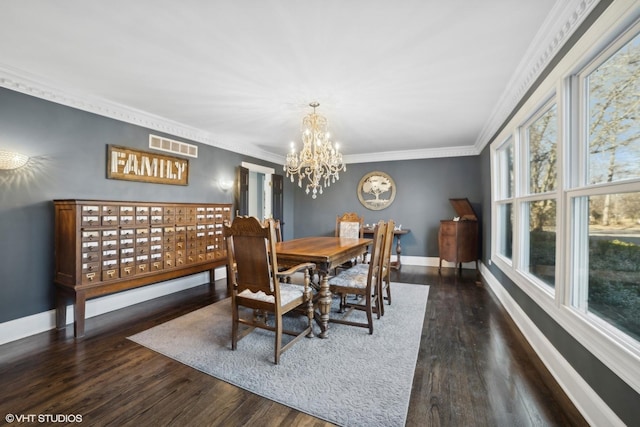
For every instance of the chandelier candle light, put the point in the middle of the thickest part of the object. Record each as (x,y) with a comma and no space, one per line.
(319,159)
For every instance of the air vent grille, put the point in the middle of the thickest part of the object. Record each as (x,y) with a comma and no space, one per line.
(171,146)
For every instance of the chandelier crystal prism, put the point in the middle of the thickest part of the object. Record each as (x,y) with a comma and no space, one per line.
(320,162)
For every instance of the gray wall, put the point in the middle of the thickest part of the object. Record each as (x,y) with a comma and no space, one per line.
(424,188)
(68,149)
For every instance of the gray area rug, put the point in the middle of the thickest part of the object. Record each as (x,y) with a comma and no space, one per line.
(350,379)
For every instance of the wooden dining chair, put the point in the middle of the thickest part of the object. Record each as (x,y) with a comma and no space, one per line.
(385,279)
(364,285)
(385,276)
(350,225)
(256,286)
(276,225)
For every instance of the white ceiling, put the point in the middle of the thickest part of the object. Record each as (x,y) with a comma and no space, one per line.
(395,79)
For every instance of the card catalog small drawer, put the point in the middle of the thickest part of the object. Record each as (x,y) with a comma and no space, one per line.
(110,274)
(90,247)
(127,210)
(110,234)
(88,257)
(142,219)
(109,210)
(110,220)
(127,271)
(90,220)
(90,267)
(127,253)
(127,243)
(127,220)
(90,210)
(91,277)
(109,244)
(109,264)
(90,236)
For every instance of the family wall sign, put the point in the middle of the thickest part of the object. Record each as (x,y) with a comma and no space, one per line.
(144,166)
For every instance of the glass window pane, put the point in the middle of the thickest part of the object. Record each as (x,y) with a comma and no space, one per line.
(505,160)
(505,231)
(542,240)
(613,102)
(541,137)
(614,260)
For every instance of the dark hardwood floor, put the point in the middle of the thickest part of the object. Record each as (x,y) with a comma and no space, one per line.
(474,369)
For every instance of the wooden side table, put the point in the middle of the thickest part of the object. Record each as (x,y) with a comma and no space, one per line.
(397,234)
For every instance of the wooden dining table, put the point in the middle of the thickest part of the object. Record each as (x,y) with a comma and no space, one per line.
(326,253)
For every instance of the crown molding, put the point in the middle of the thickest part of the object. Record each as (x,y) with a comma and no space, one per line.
(21,81)
(561,22)
(426,153)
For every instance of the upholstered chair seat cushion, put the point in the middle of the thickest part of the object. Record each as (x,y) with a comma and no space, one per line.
(351,277)
(360,268)
(288,293)
(363,268)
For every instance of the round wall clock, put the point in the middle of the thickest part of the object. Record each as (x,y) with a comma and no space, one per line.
(376,190)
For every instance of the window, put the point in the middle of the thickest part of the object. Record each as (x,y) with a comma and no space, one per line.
(607,208)
(540,136)
(566,199)
(609,287)
(505,192)
(541,259)
(612,95)
(541,140)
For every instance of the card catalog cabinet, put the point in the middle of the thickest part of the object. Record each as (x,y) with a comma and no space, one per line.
(458,239)
(103,247)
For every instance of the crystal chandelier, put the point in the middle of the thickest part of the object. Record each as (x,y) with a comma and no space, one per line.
(319,161)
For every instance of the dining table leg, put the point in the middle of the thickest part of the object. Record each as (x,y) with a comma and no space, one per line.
(324,304)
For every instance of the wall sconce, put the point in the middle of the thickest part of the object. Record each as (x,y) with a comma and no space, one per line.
(225,184)
(11,160)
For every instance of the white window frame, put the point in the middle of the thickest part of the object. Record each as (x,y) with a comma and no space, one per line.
(524,195)
(617,351)
(500,190)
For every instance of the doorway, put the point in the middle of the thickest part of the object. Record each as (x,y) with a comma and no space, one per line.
(260,196)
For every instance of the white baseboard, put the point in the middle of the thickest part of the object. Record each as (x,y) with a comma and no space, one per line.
(431,262)
(41,322)
(590,405)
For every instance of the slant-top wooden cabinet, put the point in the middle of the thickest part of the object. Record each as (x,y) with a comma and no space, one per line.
(103,246)
(458,239)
